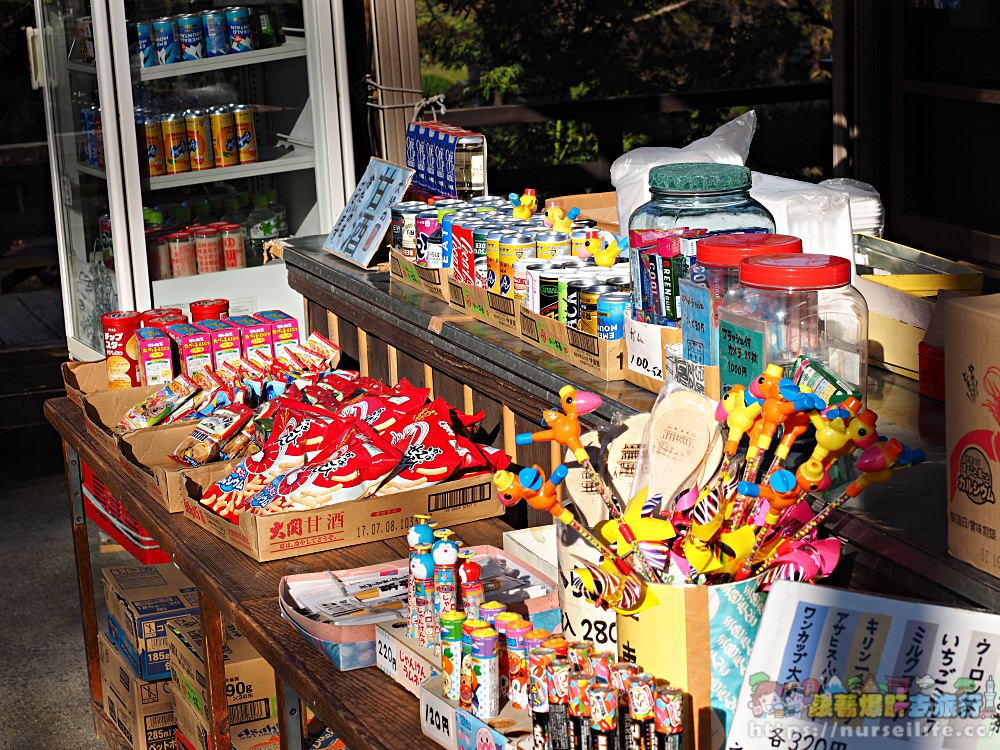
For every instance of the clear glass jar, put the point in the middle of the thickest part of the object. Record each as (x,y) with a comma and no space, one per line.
(790,306)
(716,271)
(697,196)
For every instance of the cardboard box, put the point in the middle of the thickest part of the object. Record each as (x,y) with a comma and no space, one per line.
(972,434)
(255,335)
(83,378)
(457,729)
(284,328)
(433,281)
(604,358)
(281,535)
(489,307)
(601,207)
(227,346)
(644,341)
(140,600)
(145,456)
(142,710)
(535,547)
(103,409)
(156,361)
(250,687)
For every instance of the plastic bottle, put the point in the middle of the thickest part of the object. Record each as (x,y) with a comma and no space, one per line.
(262,230)
(280,214)
(180,217)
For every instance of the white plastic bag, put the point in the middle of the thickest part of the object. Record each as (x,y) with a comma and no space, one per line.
(729,144)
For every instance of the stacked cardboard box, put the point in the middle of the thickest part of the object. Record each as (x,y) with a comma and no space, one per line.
(143,710)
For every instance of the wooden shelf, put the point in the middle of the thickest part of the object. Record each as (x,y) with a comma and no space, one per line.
(293,47)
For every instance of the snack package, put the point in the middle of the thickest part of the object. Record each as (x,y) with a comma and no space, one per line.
(207,380)
(158,406)
(325,348)
(212,432)
(295,436)
(201,405)
(352,468)
(385,410)
(245,441)
(310,360)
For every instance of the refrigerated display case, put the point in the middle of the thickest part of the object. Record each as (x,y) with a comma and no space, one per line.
(121,182)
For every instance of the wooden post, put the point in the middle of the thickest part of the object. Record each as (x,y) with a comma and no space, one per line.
(363,352)
(215,640)
(333,327)
(393,365)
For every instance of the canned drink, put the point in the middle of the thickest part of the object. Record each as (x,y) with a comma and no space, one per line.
(408,240)
(240,33)
(216,33)
(428,244)
(493,259)
(520,278)
(87,143)
(208,250)
(199,134)
(463,259)
(233,246)
(396,227)
(568,309)
(548,292)
(85,38)
(157,257)
(512,249)
(246,137)
(569,262)
(183,261)
(479,234)
(121,348)
(588,307)
(191,34)
(578,240)
(166,38)
(552,244)
(482,274)
(152,133)
(146,44)
(175,143)
(224,138)
(611,310)
(532,277)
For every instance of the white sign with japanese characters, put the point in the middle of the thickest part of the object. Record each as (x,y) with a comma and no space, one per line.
(838,670)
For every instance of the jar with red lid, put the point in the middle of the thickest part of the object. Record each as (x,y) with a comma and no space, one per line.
(714,273)
(209,309)
(159,312)
(800,312)
(208,250)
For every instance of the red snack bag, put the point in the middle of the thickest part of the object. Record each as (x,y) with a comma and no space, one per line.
(385,410)
(342,387)
(495,457)
(351,469)
(431,450)
(310,360)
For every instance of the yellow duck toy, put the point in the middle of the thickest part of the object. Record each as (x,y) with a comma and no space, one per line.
(559,222)
(524,205)
(604,257)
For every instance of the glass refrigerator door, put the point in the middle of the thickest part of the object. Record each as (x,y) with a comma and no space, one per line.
(230,136)
(87,190)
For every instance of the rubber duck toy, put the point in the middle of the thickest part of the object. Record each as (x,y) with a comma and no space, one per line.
(559,222)
(524,205)
(605,257)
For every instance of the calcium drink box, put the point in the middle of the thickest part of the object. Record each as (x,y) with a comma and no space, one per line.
(156,361)
(255,334)
(192,346)
(284,329)
(226,341)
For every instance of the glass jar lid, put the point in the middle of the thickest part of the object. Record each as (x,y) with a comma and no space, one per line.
(727,250)
(813,271)
(699,177)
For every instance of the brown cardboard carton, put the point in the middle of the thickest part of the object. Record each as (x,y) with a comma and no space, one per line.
(104,409)
(482,304)
(601,357)
(433,281)
(302,532)
(250,687)
(142,710)
(972,385)
(145,456)
(83,378)
(601,207)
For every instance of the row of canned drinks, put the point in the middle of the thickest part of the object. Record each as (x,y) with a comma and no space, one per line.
(480,243)
(195,140)
(211,33)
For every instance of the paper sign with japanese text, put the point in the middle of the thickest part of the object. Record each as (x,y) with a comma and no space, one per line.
(366,217)
(848,671)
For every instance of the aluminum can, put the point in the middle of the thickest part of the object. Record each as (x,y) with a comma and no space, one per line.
(520,278)
(463,260)
(588,307)
(121,349)
(552,244)
(240,33)
(199,134)
(406,216)
(246,136)
(208,250)
(428,243)
(175,143)
(150,131)
(183,261)
(216,33)
(167,40)
(532,280)
(191,34)
(224,147)
(146,44)
(233,246)
(570,286)
(611,309)
(512,248)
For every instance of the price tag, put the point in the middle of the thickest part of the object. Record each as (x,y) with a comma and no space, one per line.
(385,653)
(741,352)
(696,314)
(644,347)
(437,717)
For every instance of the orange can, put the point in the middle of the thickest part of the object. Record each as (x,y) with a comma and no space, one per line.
(224,137)
(246,138)
(175,143)
(199,134)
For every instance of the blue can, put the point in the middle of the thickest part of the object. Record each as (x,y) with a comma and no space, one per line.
(238,18)
(192,36)
(611,309)
(166,36)
(147,47)
(88,132)
(216,33)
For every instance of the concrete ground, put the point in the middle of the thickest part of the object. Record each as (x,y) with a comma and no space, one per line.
(44,685)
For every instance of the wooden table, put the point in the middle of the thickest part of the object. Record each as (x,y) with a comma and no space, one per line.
(365,707)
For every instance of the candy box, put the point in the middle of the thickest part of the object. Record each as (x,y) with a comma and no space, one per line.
(226,341)
(140,600)
(142,710)
(156,361)
(193,347)
(254,334)
(284,328)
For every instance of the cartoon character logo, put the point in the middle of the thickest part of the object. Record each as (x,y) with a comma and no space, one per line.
(765,700)
(468,685)
(484,739)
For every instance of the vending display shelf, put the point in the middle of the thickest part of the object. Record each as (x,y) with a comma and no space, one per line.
(92,171)
(293,47)
(294,159)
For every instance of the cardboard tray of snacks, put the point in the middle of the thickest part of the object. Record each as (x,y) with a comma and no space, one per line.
(432,281)
(83,378)
(102,411)
(145,456)
(454,728)
(604,358)
(291,533)
(482,304)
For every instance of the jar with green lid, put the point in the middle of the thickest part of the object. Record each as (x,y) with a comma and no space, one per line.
(713,198)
